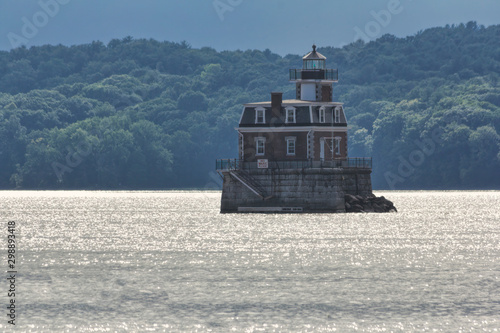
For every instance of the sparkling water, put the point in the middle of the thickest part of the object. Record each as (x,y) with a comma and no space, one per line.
(168,261)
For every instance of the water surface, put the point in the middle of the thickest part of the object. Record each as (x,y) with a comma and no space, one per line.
(168,261)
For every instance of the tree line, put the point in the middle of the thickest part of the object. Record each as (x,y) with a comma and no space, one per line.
(141,114)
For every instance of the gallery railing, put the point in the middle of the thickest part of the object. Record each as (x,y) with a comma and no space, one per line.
(227,164)
(348,163)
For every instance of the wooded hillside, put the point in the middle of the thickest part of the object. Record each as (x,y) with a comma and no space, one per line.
(140,114)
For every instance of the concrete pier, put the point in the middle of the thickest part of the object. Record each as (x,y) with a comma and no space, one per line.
(309,190)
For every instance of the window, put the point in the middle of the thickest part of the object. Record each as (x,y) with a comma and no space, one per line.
(314,64)
(337,141)
(322,115)
(260,116)
(337,115)
(333,145)
(260,146)
(330,143)
(290,145)
(290,115)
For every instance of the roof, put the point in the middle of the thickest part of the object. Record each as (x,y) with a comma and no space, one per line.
(305,115)
(287,102)
(313,55)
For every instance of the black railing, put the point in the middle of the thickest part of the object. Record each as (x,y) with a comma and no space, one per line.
(314,74)
(347,163)
(227,164)
(359,162)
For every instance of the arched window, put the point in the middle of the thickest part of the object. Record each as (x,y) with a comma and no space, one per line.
(337,114)
(290,115)
(260,115)
(322,114)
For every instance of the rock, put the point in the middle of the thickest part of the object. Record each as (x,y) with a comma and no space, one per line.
(357,209)
(378,209)
(368,204)
(350,198)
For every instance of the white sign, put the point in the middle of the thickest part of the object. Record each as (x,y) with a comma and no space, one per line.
(262,164)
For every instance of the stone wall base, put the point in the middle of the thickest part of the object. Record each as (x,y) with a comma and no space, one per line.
(295,190)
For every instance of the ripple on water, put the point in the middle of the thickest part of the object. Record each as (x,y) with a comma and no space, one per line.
(167,261)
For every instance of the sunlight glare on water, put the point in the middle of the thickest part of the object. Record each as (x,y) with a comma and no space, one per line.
(168,261)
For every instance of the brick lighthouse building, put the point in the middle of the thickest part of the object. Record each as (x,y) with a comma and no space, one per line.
(293,154)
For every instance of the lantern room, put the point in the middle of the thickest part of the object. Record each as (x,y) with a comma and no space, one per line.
(313,60)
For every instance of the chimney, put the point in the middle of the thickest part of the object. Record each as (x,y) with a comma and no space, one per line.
(276,100)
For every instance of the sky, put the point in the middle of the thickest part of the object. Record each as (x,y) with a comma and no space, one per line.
(283,26)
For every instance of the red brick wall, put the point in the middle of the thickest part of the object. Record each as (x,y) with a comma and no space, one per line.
(275,147)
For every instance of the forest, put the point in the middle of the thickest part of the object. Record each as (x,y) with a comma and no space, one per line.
(145,114)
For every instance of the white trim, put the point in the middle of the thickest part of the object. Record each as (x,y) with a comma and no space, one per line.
(242,147)
(288,109)
(295,103)
(310,114)
(292,129)
(310,142)
(343,113)
(257,110)
(242,113)
(315,80)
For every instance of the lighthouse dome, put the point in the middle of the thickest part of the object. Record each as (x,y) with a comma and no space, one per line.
(314,60)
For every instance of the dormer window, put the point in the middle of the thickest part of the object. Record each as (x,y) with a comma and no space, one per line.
(290,115)
(337,115)
(260,116)
(322,115)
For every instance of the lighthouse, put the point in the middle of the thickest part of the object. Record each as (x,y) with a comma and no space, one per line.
(293,154)
(314,81)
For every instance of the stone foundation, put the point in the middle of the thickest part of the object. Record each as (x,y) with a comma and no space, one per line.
(310,190)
